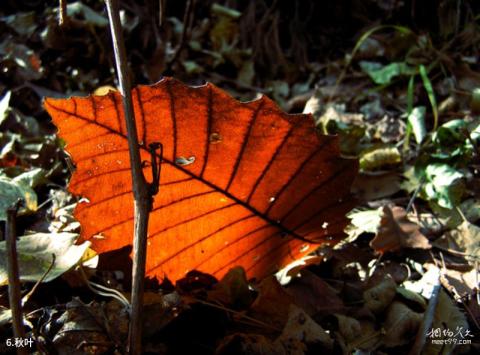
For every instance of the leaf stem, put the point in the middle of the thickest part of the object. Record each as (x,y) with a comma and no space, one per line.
(141,188)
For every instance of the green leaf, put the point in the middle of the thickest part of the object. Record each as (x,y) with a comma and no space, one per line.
(411,180)
(431,95)
(410,94)
(444,185)
(416,120)
(450,133)
(35,256)
(383,75)
(474,130)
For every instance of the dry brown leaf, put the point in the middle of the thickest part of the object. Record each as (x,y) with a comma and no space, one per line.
(232,289)
(252,344)
(467,239)
(463,282)
(447,318)
(396,231)
(380,296)
(370,338)
(369,187)
(349,327)
(301,328)
(399,272)
(314,295)
(272,303)
(401,325)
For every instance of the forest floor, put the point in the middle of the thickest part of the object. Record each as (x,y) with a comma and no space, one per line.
(404,100)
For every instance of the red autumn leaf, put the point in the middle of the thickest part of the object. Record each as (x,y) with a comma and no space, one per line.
(241,183)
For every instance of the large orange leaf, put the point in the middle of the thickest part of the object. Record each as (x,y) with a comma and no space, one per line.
(241,183)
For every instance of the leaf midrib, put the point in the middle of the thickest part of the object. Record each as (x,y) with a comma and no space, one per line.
(189,173)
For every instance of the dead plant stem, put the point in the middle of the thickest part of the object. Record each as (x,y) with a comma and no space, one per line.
(14,296)
(427,320)
(62,12)
(141,189)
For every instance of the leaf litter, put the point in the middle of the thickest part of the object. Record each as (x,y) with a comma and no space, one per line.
(431,178)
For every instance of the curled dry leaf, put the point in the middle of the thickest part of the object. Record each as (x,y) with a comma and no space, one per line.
(396,231)
(260,181)
(89,328)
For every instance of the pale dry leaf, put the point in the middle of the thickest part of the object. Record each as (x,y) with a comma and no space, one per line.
(467,237)
(35,256)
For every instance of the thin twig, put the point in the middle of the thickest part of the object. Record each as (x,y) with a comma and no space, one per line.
(161,12)
(256,322)
(427,320)
(415,193)
(142,190)
(104,291)
(14,296)
(187,21)
(62,13)
(34,288)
